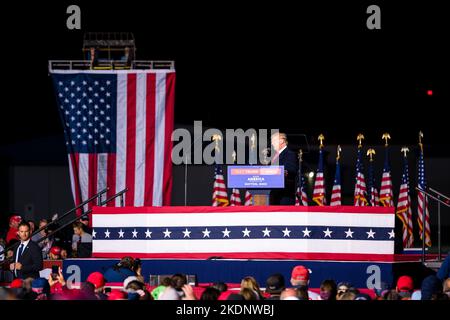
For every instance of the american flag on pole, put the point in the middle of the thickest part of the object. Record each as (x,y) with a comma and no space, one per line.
(336,192)
(422,201)
(220,196)
(373,196)
(118,127)
(235,199)
(319,183)
(360,194)
(301,198)
(386,197)
(248,198)
(404,212)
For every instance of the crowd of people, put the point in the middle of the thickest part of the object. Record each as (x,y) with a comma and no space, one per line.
(128,272)
(23,262)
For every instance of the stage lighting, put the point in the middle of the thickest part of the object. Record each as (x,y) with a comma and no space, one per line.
(429,92)
(311,174)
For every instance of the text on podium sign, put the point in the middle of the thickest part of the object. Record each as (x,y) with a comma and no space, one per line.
(255,177)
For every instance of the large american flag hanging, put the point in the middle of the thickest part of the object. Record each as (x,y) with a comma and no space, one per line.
(259,232)
(386,197)
(319,183)
(403,211)
(118,127)
(360,194)
(423,201)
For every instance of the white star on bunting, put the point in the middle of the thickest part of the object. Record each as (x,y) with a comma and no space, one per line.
(187,233)
(349,233)
(246,232)
(206,233)
(328,233)
(226,233)
(266,233)
(306,232)
(286,232)
(370,234)
(167,233)
(391,234)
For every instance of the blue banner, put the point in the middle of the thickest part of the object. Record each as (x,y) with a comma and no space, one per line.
(360,274)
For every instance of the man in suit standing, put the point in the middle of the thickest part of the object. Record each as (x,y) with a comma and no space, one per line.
(27,256)
(287,158)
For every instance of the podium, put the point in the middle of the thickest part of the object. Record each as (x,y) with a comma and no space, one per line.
(261,197)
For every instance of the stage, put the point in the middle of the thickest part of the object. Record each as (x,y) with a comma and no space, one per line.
(343,243)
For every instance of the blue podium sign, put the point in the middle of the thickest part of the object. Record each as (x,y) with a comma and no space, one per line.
(255,177)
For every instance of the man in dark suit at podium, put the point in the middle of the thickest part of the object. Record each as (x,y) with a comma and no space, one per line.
(27,256)
(287,158)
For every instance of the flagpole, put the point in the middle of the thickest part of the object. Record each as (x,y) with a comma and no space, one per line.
(299,176)
(439,231)
(185,180)
(423,225)
(424,205)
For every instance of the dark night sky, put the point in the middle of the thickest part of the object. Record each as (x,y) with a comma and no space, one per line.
(306,69)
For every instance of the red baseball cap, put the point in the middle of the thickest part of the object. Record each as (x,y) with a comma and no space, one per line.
(16,283)
(300,273)
(17,219)
(117,295)
(405,283)
(97,279)
(55,250)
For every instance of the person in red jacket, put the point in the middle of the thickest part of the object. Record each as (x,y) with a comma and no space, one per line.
(13,228)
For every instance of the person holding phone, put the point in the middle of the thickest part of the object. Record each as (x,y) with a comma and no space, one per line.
(55,272)
(57,282)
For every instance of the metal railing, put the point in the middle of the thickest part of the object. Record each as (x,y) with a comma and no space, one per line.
(440,199)
(111,65)
(99,203)
(108,39)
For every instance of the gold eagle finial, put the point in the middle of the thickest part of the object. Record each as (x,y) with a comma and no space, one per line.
(217,138)
(321,138)
(371,152)
(360,138)
(386,136)
(405,150)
